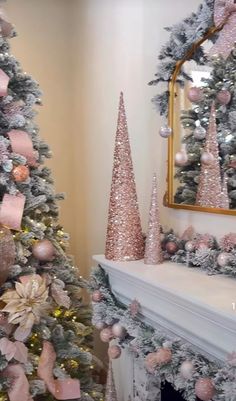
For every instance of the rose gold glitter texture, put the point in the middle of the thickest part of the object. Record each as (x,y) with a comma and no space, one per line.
(209,188)
(124,240)
(110,394)
(224,194)
(153,252)
(224,10)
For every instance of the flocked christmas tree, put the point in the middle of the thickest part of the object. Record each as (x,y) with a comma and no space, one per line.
(45,331)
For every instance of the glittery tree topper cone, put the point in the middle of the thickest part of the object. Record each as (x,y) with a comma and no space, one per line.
(153,252)
(124,240)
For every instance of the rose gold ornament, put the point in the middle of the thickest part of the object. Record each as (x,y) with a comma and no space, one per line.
(172,247)
(181,158)
(118,330)
(151,362)
(106,335)
(204,389)
(114,352)
(163,356)
(20,173)
(43,250)
(124,239)
(195,94)
(153,251)
(187,370)
(224,97)
(207,158)
(97,296)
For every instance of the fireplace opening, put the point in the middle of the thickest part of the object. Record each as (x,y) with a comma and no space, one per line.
(168,393)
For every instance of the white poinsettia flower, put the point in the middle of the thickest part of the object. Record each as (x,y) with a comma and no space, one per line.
(26,304)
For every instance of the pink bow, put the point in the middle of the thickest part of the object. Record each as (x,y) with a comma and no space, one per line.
(64,389)
(11,211)
(19,389)
(16,350)
(21,143)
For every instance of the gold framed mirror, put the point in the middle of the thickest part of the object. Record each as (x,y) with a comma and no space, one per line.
(191,177)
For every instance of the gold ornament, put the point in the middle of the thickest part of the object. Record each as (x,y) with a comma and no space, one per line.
(57,312)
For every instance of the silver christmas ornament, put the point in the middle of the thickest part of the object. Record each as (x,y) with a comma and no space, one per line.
(165,131)
(118,330)
(199,132)
(190,246)
(223,259)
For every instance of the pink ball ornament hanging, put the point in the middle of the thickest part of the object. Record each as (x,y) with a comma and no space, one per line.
(114,352)
(195,95)
(43,250)
(204,389)
(223,259)
(172,247)
(181,158)
(224,97)
(151,362)
(207,158)
(165,132)
(97,296)
(118,330)
(163,356)
(187,370)
(106,335)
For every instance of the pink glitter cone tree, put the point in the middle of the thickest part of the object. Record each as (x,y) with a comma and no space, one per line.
(210,187)
(124,239)
(153,252)
(110,394)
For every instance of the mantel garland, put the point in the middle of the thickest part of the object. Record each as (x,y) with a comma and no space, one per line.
(190,372)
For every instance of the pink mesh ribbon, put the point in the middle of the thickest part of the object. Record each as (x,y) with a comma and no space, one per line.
(65,389)
(21,143)
(11,211)
(19,389)
(4,80)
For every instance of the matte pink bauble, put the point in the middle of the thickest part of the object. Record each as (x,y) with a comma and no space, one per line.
(118,330)
(181,158)
(190,246)
(171,247)
(97,296)
(223,259)
(151,362)
(43,250)
(114,352)
(187,369)
(195,94)
(106,335)
(207,158)
(223,97)
(204,389)
(163,356)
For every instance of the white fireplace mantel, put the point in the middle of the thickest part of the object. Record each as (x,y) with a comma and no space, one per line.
(187,302)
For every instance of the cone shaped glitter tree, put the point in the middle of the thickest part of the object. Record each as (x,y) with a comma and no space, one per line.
(110,394)
(124,240)
(209,188)
(153,252)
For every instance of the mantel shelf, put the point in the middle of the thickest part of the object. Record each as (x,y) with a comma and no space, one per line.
(187,302)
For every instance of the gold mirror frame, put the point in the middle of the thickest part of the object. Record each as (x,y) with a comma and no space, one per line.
(168,201)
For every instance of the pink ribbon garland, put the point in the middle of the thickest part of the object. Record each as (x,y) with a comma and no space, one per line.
(65,389)
(11,211)
(21,143)
(19,389)
(4,81)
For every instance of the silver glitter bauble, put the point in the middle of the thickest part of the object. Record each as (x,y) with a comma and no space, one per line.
(190,246)
(181,158)
(207,158)
(187,370)
(43,250)
(223,259)
(199,132)
(165,132)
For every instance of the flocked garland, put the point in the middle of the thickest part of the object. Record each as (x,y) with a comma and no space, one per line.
(182,37)
(166,358)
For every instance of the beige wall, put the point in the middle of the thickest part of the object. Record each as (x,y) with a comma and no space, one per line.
(84,52)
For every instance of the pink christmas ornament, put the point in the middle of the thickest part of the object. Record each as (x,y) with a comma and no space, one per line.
(224,97)
(114,352)
(100,325)
(223,259)
(106,335)
(165,132)
(207,158)
(209,187)
(195,95)
(118,330)
(43,250)
(163,356)
(151,362)
(153,251)
(124,239)
(181,157)
(204,389)
(199,133)
(187,369)
(171,247)
(97,296)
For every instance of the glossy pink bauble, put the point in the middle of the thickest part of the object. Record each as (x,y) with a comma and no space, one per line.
(97,296)
(114,352)
(163,356)
(204,389)
(181,159)
(172,247)
(151,362)
(207,158)
(224,97)
(106,335)
(43,250)
(195,94)
(118,331)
